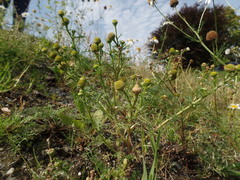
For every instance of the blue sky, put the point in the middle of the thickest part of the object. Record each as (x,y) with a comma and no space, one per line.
(136,18)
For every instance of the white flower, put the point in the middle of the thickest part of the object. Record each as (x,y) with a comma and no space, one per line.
(25,14)
(154,40)
(227,51)
(130,42)
(187,49)
(2,7)
(234,106)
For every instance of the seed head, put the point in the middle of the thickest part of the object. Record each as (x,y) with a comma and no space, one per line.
(211,35)
(136,89)
(110,37)
(173,3)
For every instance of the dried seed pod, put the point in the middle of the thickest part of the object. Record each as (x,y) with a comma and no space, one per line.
(173,3)
(211,35)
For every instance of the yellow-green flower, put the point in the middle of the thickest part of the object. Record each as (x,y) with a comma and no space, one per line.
(110,37)
(56,46)
(114,22)
(82,82)
(74,53)
(58,58)
(53,54)
(237,67)
(119,85)
(213,73)
(65,21)
(94,47)
(61,13)
(97,40)
(147,82)
(44,50)
(230,68)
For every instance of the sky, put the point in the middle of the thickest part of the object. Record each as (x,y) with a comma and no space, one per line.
(136,18)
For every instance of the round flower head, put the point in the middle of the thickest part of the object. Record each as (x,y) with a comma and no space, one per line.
(229,68)
(101,45)
(110,37)
(97,40)
(74,53)
(213,73)
(58,58)
(65,21)
(56,46)
(173,3)
(53,54)
(44,50)
(146,82)
(61,13)
(94,47)
(211,35)
(119,85)
(114,22)
(82,82)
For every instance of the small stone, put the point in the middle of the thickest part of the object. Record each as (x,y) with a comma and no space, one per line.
(9,172)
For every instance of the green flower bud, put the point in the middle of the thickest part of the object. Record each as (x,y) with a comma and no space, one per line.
(65,21)
(44,50)
(61,13)
(101,45)
(95,66)
(119,85)
(58,58)
(114,22)
(97,40)
(230,68)
(172,50)
(82,82)
(110,37)
(64,47)
(146,82)
(122,42)
(213,74)
(172,74)
(56,46)
(237,67)
(94,47)
(53,54)
(74,53)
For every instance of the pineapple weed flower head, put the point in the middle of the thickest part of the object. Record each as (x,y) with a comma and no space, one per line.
(234,106)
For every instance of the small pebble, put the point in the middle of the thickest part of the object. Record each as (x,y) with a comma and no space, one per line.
(10,172)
